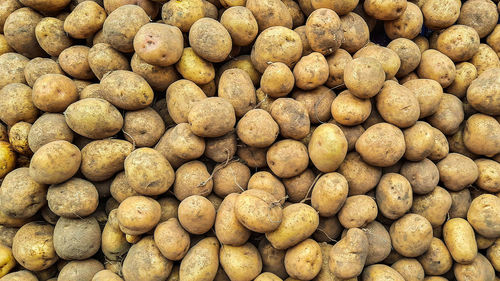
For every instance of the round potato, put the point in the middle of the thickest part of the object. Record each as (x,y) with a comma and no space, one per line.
(327,147)
(77,239)
(196,214)
(360,176)
(439,15)
(451,43)
(14,65)
(394,195)
(216,43)
(80,270)
(427,206)
(54,92)
(171,239)
(449,115)
(75,198)
(277,80)
(329,194)
(102,58)
(192,178)
(212,117)
(222,148)
(358,211)
(230,178)
(483,92)
(38,67)
(194,68)
(457,171)
(257,128)
(348,256)
(258,210)
(349,110)
(269,13)
(408,53)
(364,77)
(479,269)
(159,78)
(144,261)
(336,65)
(489,175)
(16,104)
(137,91)
(466,73)
(85,20)
(423,175)
(311,71)
(388,58)
(103,158)
(138,215)
(279,158)
(296,256)
(478,9)
(236,87)
(482,135)
(381,145)
(393,97)
(106,275)
(324,31)
(159,44)
(182,14)
(411,235)
(408,25)
(318,103)
(460,240)
(483,215)
(437,260)
(292,118)
(74,61)
(33,246)
(19,32)
(240,262)
(241,25)
(143,127)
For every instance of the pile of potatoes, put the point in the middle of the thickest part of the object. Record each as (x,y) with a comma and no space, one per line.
(267,140)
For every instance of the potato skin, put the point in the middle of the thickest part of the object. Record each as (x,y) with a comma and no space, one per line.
(482,93)
(437,66)
(408,25)
(192,178)
(292,118)
(379,272)
(257,128)
(106,275)
(485,220)
(358,211)
(258,210)
(80,270)
(448,116)
(94,118)
(201,261)
(360,176)
(483,10)
(51,36)
(196,214)
(74,198)
(349,110)
(144,261)
(138,92)
(241,25)
(365,69)
(114,244)
(103,58)
(270,13)
(416,243)
(37,67)
(458,50)
(460,240)
(14,64)
(212,117)
(74,61)
(33,246)
(348,256)
(482,134)
(22,275)
(311,71)
(393,97)
(437,260)
(327,147)
(479,269)
(19,31)
(439,15)
(457,171)
(428,93)
(236,87)
(279,154)
(182,14)
(235,258)
(296,257)
(77,239)
(427,206)
(394,195)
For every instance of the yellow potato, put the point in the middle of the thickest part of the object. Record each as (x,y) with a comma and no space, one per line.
(327,147)
(460,240)
(304,260)
(201,261)
(241,263)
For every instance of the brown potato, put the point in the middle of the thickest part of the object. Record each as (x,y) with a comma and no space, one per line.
(489,175)
(103,58)
(228,229)
(54,92)
(103,158)
(296,257)
(474,10)
(423,175)
(7,235)
(270,13)
(324,31)
(216,44)
(253,157)
(37,67)
(272,259)
(46,6)
(437,260)
(77,239)
(212,117)
(80,270)
(33,246)
(6,8)
(429,94)
(349,110)
(144,261)
(242,62)
(419,140)
(493,254)
(317,101)
(138,214)
(379,242)
(336,65)
(241,25)
(51,36)
(74,61)
(230,178)
(329,194)
(356,32)
(457,171)
(287,158)
(181,96)
(466,73)
(121,26)
(267,276)
(297,187)
(159,44)
(410,269)
(393,97)
(493,39)
(460,202)
(14,65)
(460,240)
(437,66)
(327,147)
(171,239)
(301,31)
(448,116)
(202,261)
(482,135)
(292,118)
(268,182)
(311,71)
(75,198)
(114,244)
(196,214)
(484,59)
(106,275)
(364,77)
(240,262)
(19,31)
(137,91)
(482,93)
(85,20)
(427,206)
(386,9)
(408,25)
(22,275)
(360,176)
(394,195)
(483,215)
(381,145)
(236,86)
(479,269)
(143,127)
(358,211)
(222,148)
(18,138)
(182,14)
(439,15)
(257,128)
(192,178)
(295,11)
(158,77)
(458,49)
(408,53)
(277,80)
(348,256)
(8,261)
(411,235)
(258,210)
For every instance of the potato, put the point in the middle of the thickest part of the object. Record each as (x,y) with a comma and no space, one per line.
(241,25)
(236,87)
(33,246)
(306,47)
(287,158)
(181,96)
(103,158)
(419,140)
(270,13)
(489,175)
(297,187)
(4,47)
(257,128)
(324,31)
(276,44)
(144,261)
(437,66)
(75,198)
(54,92)
(427,206)
(460,202)
(493,254)
(7,259)
(364,77)
(267,276)
(381,145)
(422,175)
(7,7)
(258,210)
(493,39)
(336,64)
(292,118)
(114,245)
(143,127)
(22,275)
(240,262)
(466,73)
(201,262)
(410,269)
(85,20)
(411,235)
(137,91)
(77,239)
(348,256)
(121,26)
(311,71)
(329,194)
(159,78)
(80,270)
(439,15)
(18,138)
(46,6)
(192,178)
(184,143)
(356,32)
(437,260)
(385,10)
(196,214)
(408,25)
(212,117)
(159,44)
(484,59)
(357,211)
(458,50)
(482,93)
(14,65)
(16,104)
(460,240)
(277,80)
(484,10)
(272,259)
(194,68)
(482,135)
(55,162)
(19,31)
(349,110)
(106,275)
(360,176)
(74,61)
(268,182)
(379,242)
(408,53)
(448,116)
(171,239)
(7,235)
(457,171)
(216,44)
(479,269)
(327,156)
(394,195)
(393,97)
(102,58)
(299,222)
(483,215)
(37,67)
(317,101)
(296,257)
(388,58)
(182,14)
(222,148)
(230,178)
(138,215)
(228,229)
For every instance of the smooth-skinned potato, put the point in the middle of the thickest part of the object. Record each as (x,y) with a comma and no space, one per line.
(324,31)
(437,260)
(381,145)
(201,262)
(144,261)
(159,44)
(240,263)
(287,158)
(85,20)
(329,194)
(241,25)
(484,219)
(33,246)
(411,235)
(348,256)
(138,214)
(460,240)
(196,214)
(303,261)
(358,211)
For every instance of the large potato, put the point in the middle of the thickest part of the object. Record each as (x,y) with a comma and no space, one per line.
(236,86)
(144,261)
(14,65)
(411,235)
(228,229)
(16,104)
(349,110)
(394,195)
(358,211)
(479,269)
(437,66)
(440,14)
(327,147)
(364,77)
(483,93)
(360,176)
(324,31)
(428,93)
(292,118)
(241,24)
(398,105)
(457,171)
(329,194)
(80,270)
(33,246)
(182,14)
(49,127)
(483,215)
(449,115)
(258,210)
(181,97)
(379,242)
(458,42)
(138,214)
(212,117)
(460,240)
(241,263)
(482,135)
(19,31)
(159,44)
(54,92)
(51,36)
(75,198)
(270,13)
(311,71)
(77,239)
(210,40)
(201,262)
(287,158)
(381,145)
(121,26)
(433,206)
(103,158)
(85,20)
(277,80)
(489,175)
(304,260)
(423,175)
(408,25)
(257,128)
(127,90)
(102,58)
(408,53)
(478,9)
(348,256)
(192,178)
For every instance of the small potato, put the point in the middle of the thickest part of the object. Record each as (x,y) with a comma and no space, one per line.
(114,244)
(159,78)
(77,239)
(451,42)
(85,20)
(296,257)
(103,58)
(423,176)
(480,15)
(230,178)
(482,135)
(171,239)
(75,198)
(212,117)
(437,260)
(324,31)
(236,87)
(14,65)
(358,211)
(74,61)
(398,105)
(144,127)
(138,215)
(202,261)
(33,246)
(121,26)
(19,31)
(394,195)
(483,215)
(182,14)
(299,222)
(460,240)
(7,235)
(181,97)
(80,270)
(222,148)
(194,68)
(348,256)
(287,158)
(159,44)
(216,43)
(448,116)
(381,145)
(7,259)
(133,94)
(241,25)
(479,269)
(329,194)
(349,110)
(360,176)
(336,65)
(364,77)
(54,92)
(258,210)
(38,67)
(192,178)
(269,13)
(18,138)
(411,235)
(408,25)
(292,118)
(437,66)
(276,44)
(228,229)
(388,58)
(410,269)
(55,162)
(318,103)
(434,206)
(144,261)
(408,53)
(439,15)
(277,80)
(196,214)
(241,263)
(257,128)
(311,71)
(457,171)
(103,158)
